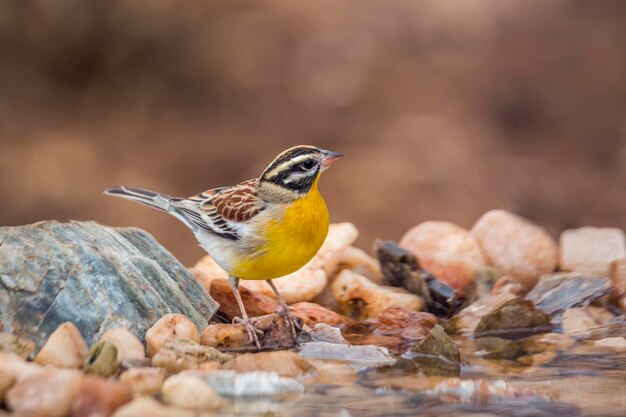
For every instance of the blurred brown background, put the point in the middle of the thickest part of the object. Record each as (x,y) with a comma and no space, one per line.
(445,109)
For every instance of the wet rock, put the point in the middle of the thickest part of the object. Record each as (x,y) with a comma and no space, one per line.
(251,384)
(310,280)
(233,337)
(168,326)
(555,293)
(591,249)
(283,362)
(94,276)
(498,348)
(397,321)
(401,269)
(446,250)
(256,304)
(513,319)
(581,322)
(515,246)
(468,318)
(45,394)
(359,356)
(129,347)
(178,354)
(144,381)
(548,342)
(187,391)
(617,344)
(99,397)
(312,314)
(360,297)
(323,332)
(361,263)
(101,359)
(18,345)
(148,406)
(65,348)
(438,345)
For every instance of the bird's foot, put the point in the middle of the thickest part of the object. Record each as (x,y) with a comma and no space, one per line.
(292,323)
(253,332)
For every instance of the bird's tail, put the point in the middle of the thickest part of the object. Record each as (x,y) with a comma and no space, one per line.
(147,197)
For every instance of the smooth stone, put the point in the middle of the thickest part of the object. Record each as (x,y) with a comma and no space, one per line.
(581,322)
(285,363)
(99,397)
(45,394)
(149,407)
(515,246)
(312,314)
(360,262)
(129,347)
(180,354)
(255,303)
(618,274)
(555,293)
(591,249)
(251,384)
(359,356)
(612,343)
(191,392)
(18,345)
(7,378)
(94,276)
(447,251)
(17,368)
(168,326)
(101,359)
(407,324)
(323,332)
(310,280)
(65,348)
(468,318)
(206,270)
(144,381)
(360,297)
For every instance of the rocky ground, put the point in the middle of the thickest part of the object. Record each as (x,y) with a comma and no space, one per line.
(497,320)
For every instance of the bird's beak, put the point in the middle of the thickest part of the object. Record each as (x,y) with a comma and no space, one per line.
(329,158)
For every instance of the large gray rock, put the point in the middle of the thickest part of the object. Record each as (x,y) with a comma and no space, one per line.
(95,276)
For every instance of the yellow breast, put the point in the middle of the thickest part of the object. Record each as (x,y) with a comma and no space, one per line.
(292,240)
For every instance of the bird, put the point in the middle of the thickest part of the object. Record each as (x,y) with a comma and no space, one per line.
(260,229)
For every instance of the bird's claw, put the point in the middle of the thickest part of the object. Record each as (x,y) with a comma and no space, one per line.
(253,332)
(291,322)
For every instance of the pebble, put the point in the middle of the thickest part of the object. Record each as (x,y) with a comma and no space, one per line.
(591,249)
(149,407)
(515,246)
(187,391)
(50,393)
(16,367)
(179,354)
(312,314)
(19,345)
(360,262)
(612,343)
(129,347)
(284,362)
(234,337)
(256,303)
(99,397)
(65,348)
(6,380)
(618,274)
(358,356)
(323,332)
(144,381)
(447,251)
(251,384)
(407,324)
(170,325)
(309,281)
(358,296)
(468,318)
(101,359)
(579,322)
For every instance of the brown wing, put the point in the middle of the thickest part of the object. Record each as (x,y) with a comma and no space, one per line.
(239,203)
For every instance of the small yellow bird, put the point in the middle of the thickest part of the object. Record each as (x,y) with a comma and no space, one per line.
(260,229)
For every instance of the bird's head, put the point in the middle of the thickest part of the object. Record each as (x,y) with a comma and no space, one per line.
(295,171)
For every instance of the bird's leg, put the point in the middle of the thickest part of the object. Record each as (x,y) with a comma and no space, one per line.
(291,322)
(245,320)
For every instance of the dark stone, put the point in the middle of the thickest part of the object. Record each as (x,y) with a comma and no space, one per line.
(436,354)
(513,319)
(94,276)
(556,293)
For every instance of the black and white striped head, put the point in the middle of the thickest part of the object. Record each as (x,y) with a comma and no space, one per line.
(296,169)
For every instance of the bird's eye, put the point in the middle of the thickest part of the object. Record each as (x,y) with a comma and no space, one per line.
(307,165)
